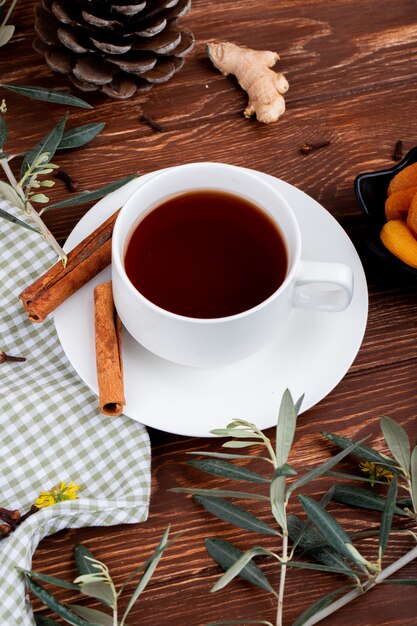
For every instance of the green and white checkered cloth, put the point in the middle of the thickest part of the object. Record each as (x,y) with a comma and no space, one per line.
(51,431)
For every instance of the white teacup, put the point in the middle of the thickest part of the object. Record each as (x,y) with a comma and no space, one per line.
(208,342)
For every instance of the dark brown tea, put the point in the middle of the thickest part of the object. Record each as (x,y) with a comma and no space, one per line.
(206,254)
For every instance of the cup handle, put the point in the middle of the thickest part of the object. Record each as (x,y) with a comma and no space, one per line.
(323,286)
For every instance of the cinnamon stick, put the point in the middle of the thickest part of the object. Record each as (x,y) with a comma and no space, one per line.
(86,260)
(108,351)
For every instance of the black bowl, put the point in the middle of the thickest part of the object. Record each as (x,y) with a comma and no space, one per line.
(371,193)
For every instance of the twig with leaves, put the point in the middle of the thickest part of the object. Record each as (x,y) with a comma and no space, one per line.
(37,163)
(94,581)
(320,537)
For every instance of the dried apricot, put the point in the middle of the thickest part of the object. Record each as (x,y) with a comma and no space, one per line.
(400,241)
(397,205)
(405,178)
(412,216)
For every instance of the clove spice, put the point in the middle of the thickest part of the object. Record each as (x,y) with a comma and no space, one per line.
(309,147)
(151,123)
(7,357)
(398,151)
(12,519)
(72,185)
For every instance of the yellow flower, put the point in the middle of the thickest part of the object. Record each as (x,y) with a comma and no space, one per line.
(59,493)
(376,472)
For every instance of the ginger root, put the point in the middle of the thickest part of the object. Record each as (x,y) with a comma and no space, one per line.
(251,68)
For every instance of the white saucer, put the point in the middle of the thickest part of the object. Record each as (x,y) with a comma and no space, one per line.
(310,357)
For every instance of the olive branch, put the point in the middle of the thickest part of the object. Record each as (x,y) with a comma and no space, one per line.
(25,190)
(320,537)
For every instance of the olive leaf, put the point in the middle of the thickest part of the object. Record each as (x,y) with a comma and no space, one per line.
(51,579)
(84,560)
(397,441)
(227,470)
(401,581)
(285,429)
(225,455)
(361,451)
(14,220)
(234,514)
(46,95)
(277,498)
(226,554)
(149,569)
(48,144)
(41,620)
(53,604)
(94,617)
(239,621)
(88,196)
(80,135)
(220,493)
(362,498)
(413,464)
(386,518)
(6,33)
(3,132)
(238,433)
(333,532)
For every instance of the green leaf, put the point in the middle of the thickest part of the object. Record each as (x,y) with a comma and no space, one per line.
(149,570)
(235,569)
(7,192)
(220,493)
(297,405)
(227,470)
(15,220)
(320,469)
(80,135)
(320,568)
(238,433)
(88,196)
(386,518)
(414,478)
(285,430)
(240,444)
(334,534)
(225,455)
(277,497)
(3,132)
(46,95)
(314,544)
(6,33)
(361,451)
(319,605)
(40,620)
(284,470)
(225,554)
(39,197)
(239,621)
(101,590)
(92,615)
(49,144)
(362,498)
(397,441)
(235,515)
(51,579)
(401,581)
(355,477)
(59,608)
(82,556)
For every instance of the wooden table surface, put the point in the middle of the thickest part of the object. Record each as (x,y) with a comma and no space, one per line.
(352,71)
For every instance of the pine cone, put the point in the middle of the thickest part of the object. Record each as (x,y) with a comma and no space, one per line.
(119,47)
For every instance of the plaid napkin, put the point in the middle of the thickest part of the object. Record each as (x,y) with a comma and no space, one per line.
(51,431)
